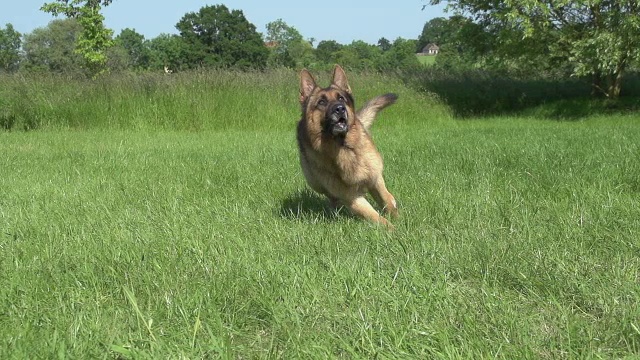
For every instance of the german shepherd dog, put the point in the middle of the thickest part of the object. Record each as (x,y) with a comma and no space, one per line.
(337,154)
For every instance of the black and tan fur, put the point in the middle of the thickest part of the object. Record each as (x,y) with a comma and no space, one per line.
(337,155)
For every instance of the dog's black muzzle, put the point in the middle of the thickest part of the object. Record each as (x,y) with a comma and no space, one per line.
(338,119)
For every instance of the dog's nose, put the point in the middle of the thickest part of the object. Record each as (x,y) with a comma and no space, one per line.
(339,109)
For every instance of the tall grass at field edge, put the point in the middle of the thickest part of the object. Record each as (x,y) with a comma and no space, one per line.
(197,100)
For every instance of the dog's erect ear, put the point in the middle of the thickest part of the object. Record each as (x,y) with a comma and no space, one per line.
(307,84)
(340,79)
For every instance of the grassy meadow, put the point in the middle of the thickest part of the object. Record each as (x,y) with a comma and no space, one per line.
(146,217)
(426,60)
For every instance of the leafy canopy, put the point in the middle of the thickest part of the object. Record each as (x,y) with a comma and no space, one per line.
(287,46)
(597,38)
(135,47)
(95,38)
(52,48)
(10,42)
(216,36)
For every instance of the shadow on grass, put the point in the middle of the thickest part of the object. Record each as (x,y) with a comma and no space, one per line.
(305,204)
(577,109)
(480,93)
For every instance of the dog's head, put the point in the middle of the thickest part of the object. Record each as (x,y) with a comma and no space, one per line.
(329,109)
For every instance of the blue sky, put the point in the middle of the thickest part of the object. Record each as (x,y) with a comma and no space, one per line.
(340,21)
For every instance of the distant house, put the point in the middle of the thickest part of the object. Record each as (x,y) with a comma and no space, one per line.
(430,50)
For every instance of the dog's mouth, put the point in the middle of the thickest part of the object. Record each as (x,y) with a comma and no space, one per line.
(339,125)
(337,120)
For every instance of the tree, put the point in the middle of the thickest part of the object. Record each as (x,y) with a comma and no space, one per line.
(10,42)
(348,58)
(168,51)
(118,59)
(135,47)
(215,36)
(287,46)
(326,51)
(400,56)
(463,43)
(384,44)
(436,31)
(52,48)
(597,38)
(359,55)
(95,39)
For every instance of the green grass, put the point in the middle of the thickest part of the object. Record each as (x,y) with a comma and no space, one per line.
(426,60)
(518,237)
(213,100)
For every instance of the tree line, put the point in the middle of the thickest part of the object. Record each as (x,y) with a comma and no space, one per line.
(214,36)
(591,40)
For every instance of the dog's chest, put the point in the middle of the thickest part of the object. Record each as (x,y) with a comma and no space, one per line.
(355,167)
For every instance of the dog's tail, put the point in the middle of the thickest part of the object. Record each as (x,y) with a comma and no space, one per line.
(367,114)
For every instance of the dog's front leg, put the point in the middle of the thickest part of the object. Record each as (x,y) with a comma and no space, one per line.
(361,207)
(384,198)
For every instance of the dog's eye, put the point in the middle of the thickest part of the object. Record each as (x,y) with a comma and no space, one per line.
(322,102)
